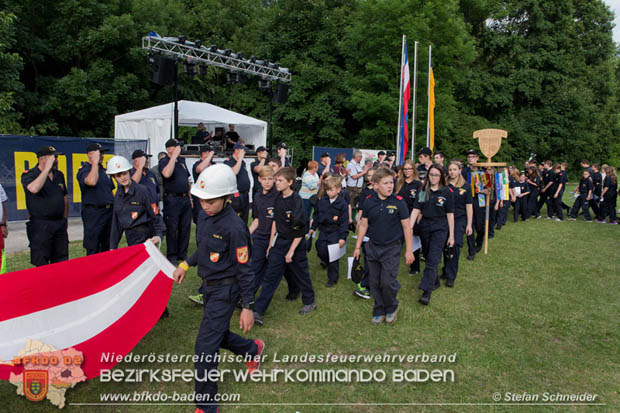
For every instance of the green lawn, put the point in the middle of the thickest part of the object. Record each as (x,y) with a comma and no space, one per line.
(538,314)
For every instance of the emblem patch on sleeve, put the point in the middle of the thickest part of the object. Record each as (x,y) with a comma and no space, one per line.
(242,255)
(155,208)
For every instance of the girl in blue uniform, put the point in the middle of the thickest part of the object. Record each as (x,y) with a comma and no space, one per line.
(408,186)
(463,217)
(435,203)
(534,180)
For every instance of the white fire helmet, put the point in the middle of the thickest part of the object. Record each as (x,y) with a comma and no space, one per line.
(117,164)
(215,181)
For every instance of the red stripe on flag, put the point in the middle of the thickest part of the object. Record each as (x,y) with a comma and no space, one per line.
(36,289)
(123,335)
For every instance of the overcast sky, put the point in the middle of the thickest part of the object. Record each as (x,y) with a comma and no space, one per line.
(615,7)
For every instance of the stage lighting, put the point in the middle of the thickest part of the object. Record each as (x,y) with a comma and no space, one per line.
(198,43)
(240,56)
(182,39)
(253,59)
(213,48)
(227,52)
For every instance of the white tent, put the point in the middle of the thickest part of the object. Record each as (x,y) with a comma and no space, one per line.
(155,124)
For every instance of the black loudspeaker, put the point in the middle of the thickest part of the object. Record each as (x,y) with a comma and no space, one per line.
(163,70)
(281,93)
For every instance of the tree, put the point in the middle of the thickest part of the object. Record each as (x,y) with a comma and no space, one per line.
(10,85)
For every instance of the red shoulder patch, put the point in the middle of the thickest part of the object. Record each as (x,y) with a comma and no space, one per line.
(368,197)
(242,255)
(450,189)
(400,198)
(236,195)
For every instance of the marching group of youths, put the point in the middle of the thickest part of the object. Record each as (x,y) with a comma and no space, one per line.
(384,205)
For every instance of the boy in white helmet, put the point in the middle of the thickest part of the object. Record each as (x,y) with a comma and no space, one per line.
(134,211)
(223,260)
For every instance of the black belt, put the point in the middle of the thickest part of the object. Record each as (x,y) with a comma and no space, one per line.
(97,206)
(221,281)
(181,194)
(391,244)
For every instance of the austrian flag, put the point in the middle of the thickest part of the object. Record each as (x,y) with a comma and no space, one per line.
(103,303)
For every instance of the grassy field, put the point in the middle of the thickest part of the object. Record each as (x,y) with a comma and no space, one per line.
(538,314)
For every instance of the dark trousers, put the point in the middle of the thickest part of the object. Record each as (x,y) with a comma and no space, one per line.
(501,215)
(49,242)
(260,243)
(383,262)
(608,207)
(135,237)
(542,200)
(214,333)
(433,234)
(557,205)
(532,204)
(451,265)
(550,203)
(521,208)
(596,207)
(178,219)
(581,202)
(415,266)
(97,227)
(275,270)
(365,282)
(322,252)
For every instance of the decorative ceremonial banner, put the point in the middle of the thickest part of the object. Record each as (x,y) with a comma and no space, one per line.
(103,303)
(501,184)
(481,181)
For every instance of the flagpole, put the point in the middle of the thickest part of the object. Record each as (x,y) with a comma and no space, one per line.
(415,83)
(428,116)
(400,102)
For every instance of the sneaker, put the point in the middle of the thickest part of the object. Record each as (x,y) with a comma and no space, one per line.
(255,364)
(558,220)
(390,318)
(330,284)
(548,218)
(259,319)
(362,293)
(378,319)
(538,216)
(600,221)
(308,308)
(470,257)
(413,272)
(450,283)
(613,222)
(571,219)
(196,299)
(589,220)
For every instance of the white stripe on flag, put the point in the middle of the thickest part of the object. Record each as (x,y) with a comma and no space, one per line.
(89,315)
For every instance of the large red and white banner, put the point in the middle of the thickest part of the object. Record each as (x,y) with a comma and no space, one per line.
(103,303)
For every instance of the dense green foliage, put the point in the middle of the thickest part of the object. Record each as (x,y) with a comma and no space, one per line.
(544,70)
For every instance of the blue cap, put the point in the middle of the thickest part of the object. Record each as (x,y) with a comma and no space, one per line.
(239,145)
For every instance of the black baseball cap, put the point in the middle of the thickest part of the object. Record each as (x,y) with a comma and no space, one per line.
(172,142)
(138,153)
(47,150)
(325,155)
(425,151)
(239,145)
(261,149)
(472,152)
(94,146)
(381,153)
(206,148)
(282,146)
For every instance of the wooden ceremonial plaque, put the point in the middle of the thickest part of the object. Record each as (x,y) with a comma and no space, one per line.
(489,141)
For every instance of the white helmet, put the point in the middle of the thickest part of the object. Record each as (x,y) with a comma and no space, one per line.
(117,164)
(215,181)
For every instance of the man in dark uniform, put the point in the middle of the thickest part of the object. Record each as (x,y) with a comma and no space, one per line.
(232,138)
(141,174)
(240,200)
(177,202)
(97,200)
(202,136)
(261,160)
(48,207)
(206,156)
(424,156)
(223,260)
(324,164)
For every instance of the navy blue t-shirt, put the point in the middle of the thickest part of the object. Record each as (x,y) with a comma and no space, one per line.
(384,218)
(177,183)
(100,194)
(243,179)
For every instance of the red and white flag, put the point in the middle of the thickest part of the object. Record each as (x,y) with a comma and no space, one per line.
(103,303)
